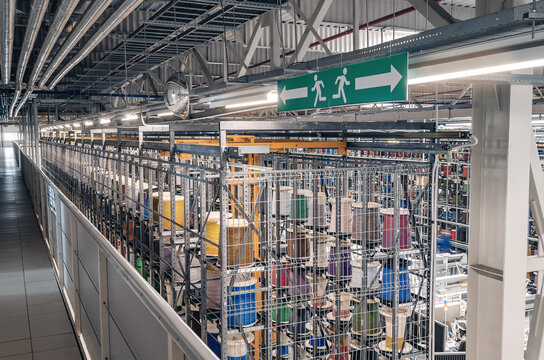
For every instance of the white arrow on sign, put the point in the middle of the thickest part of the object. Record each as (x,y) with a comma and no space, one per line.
(292,94)
(373,81)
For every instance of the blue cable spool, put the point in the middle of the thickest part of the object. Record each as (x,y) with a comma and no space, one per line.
(386,290)
(320,342)
(302,317)
(213,338)
(242,303)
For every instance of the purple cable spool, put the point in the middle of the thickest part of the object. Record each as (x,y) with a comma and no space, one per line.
(302,286)
(343,256)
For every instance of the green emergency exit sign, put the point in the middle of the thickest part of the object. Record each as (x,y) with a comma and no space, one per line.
(384,79)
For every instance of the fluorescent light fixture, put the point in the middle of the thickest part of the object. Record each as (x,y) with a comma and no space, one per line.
(130,117)
(76,124)
(479,71)
(271,98)
(88,123)
(105,121)
(168,113)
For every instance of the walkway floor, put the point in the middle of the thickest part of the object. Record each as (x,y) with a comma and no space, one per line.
(34,323)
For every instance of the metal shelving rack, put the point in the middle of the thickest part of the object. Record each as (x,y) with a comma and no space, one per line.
(453,197)
(114,179)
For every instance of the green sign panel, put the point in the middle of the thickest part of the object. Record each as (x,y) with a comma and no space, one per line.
(378,80)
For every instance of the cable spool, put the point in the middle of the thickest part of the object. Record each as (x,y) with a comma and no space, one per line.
(320,217)
(236,231)
(372,233)
(343,256)
(283,309)
(213,338)
(298,245)
(285,200)
(372,316)
(402,315)
(166,211)
(302,317)
(322,241)
(388,282)
(194,268)
(143,201)
(346,217)
(242,302)
(372,275)
(131,193)
(357,273)
(300,204)
(285,273)
(318,298)
(345,303)
(213,228)
(236,346)
(299,284)
(388,241)
(213,288)
(321,336)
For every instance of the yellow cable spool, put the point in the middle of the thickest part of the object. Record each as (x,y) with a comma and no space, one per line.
(180,210)
(212,232)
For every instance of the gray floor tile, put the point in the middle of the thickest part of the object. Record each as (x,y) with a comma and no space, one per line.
(70,353)
(52,342)
(46,308)
(44,299)
(19,357)
(61,326)
(17,347)
(17,311)
(32,314)
(14,328)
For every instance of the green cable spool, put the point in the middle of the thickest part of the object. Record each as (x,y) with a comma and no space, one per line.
(301,206)
(139,268)
(372,317)
(284,311)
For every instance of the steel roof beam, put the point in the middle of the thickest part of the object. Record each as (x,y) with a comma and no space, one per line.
(433,12)
(317,18)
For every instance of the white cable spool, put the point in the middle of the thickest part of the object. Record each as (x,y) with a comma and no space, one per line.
(236,346)
(285,201)
(320,218)
(322,253)
(346,217)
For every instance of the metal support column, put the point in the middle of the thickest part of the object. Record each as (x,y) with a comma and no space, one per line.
(356,22)
(36,132)
(275,39)
(498,221)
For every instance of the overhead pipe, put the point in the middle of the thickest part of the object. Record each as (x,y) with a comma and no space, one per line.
(37,11)
(7,18)
(62,16)
(111,23)
(89,18)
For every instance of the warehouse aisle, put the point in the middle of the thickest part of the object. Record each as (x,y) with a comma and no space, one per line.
(34,323)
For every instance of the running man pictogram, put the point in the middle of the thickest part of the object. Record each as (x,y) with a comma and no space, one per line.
(317,88)
(341,81)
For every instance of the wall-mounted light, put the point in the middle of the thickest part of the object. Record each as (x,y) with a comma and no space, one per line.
(88,123)
(104,121)
(76,124)
(168,113)
(519,65)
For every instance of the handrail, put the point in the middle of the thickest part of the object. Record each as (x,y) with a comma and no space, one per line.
(190,344)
